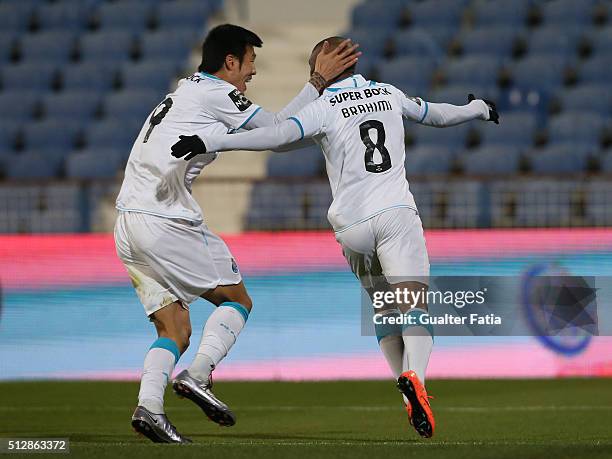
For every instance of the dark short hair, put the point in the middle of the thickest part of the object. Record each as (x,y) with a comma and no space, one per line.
(223,40)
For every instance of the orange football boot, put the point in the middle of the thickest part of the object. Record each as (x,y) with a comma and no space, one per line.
(419,411)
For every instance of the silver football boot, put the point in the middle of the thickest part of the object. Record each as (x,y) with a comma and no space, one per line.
(156,427)
(200,393)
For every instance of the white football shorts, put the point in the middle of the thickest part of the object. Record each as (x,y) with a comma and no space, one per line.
(172,260)
(389,246)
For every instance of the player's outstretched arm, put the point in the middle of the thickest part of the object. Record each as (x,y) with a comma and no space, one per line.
(444,115)
(329,65)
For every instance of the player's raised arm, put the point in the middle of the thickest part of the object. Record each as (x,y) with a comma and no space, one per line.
(309,122)
(443,115)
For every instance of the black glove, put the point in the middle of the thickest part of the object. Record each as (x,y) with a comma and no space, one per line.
(493,115)
(190,145)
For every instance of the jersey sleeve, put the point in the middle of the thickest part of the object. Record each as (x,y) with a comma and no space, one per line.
(413,108)
(230,106)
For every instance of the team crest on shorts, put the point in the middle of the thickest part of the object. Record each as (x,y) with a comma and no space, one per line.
(240,100)
(234,266)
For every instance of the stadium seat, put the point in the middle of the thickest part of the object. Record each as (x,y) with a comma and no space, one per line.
(18,105)
(305,162)
(516,129)
(419,42)
(453,138)
(112,134)
(368,66)
(9,130)
(539,72)
(605,162)
(130,15)
(458,95)
(63,15)
(106,45)
(16,16)
(28,75)
(31,166)
(436,13)
(501,12)
(492,160)
(71,105)
(55,46)
(428,160)
(171,44)
(185,14)
(553,40)
(51,134)
(93,164)
(560,159)
(601,41)
(587,98)
(567,12)
(372,40)
(472,70)
(536,101)
(490,40)
(596,70)
(131,104)
(275,206)
(576,127)
(599,211)
(93,76)
(154,75)
(377,13)
(401,72)
(7,45)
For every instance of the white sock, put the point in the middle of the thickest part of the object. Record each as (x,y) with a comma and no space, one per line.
(158,366)
(418,342)
(219,335)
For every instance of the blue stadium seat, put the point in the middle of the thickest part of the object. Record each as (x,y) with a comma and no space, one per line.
(501,12)
(587,98)
(453,138)
(458,95)
(596,70)
(93,164)
(275,206)
(492,160)
(55,46)
(131,15)
(576,127)
(168,44)
(516,129)
(51,135)
(93,76)
(539,72)
(106,45)
(599,211)
(187,14)
(377,14)
(367,65)
(520,99)
(131,104)
(16,16)
(28,75)
(305,162)
(7,45)
(428,160)
(372,40)
(9,130)
(605,162)
(436,13)
(418,42)
(153,75)
(545,202)
(64,15)
(560,159)
(112,134)
(473,70)
(401,72)
(602,41)
(554,40)
(71,105)
(316,204)
(18,105)
(568,12)
(490,40)
(31,166)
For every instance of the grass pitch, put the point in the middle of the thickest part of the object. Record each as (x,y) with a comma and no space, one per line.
(555,419)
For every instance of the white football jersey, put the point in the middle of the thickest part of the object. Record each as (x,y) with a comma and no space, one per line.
(157,183)
(359,126)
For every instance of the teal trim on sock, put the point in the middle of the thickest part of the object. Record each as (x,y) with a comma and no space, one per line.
(384,330)
(169,345)
(238,307)
(418,313)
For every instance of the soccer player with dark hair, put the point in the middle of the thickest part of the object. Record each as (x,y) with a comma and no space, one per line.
(359,125)
(160,235)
